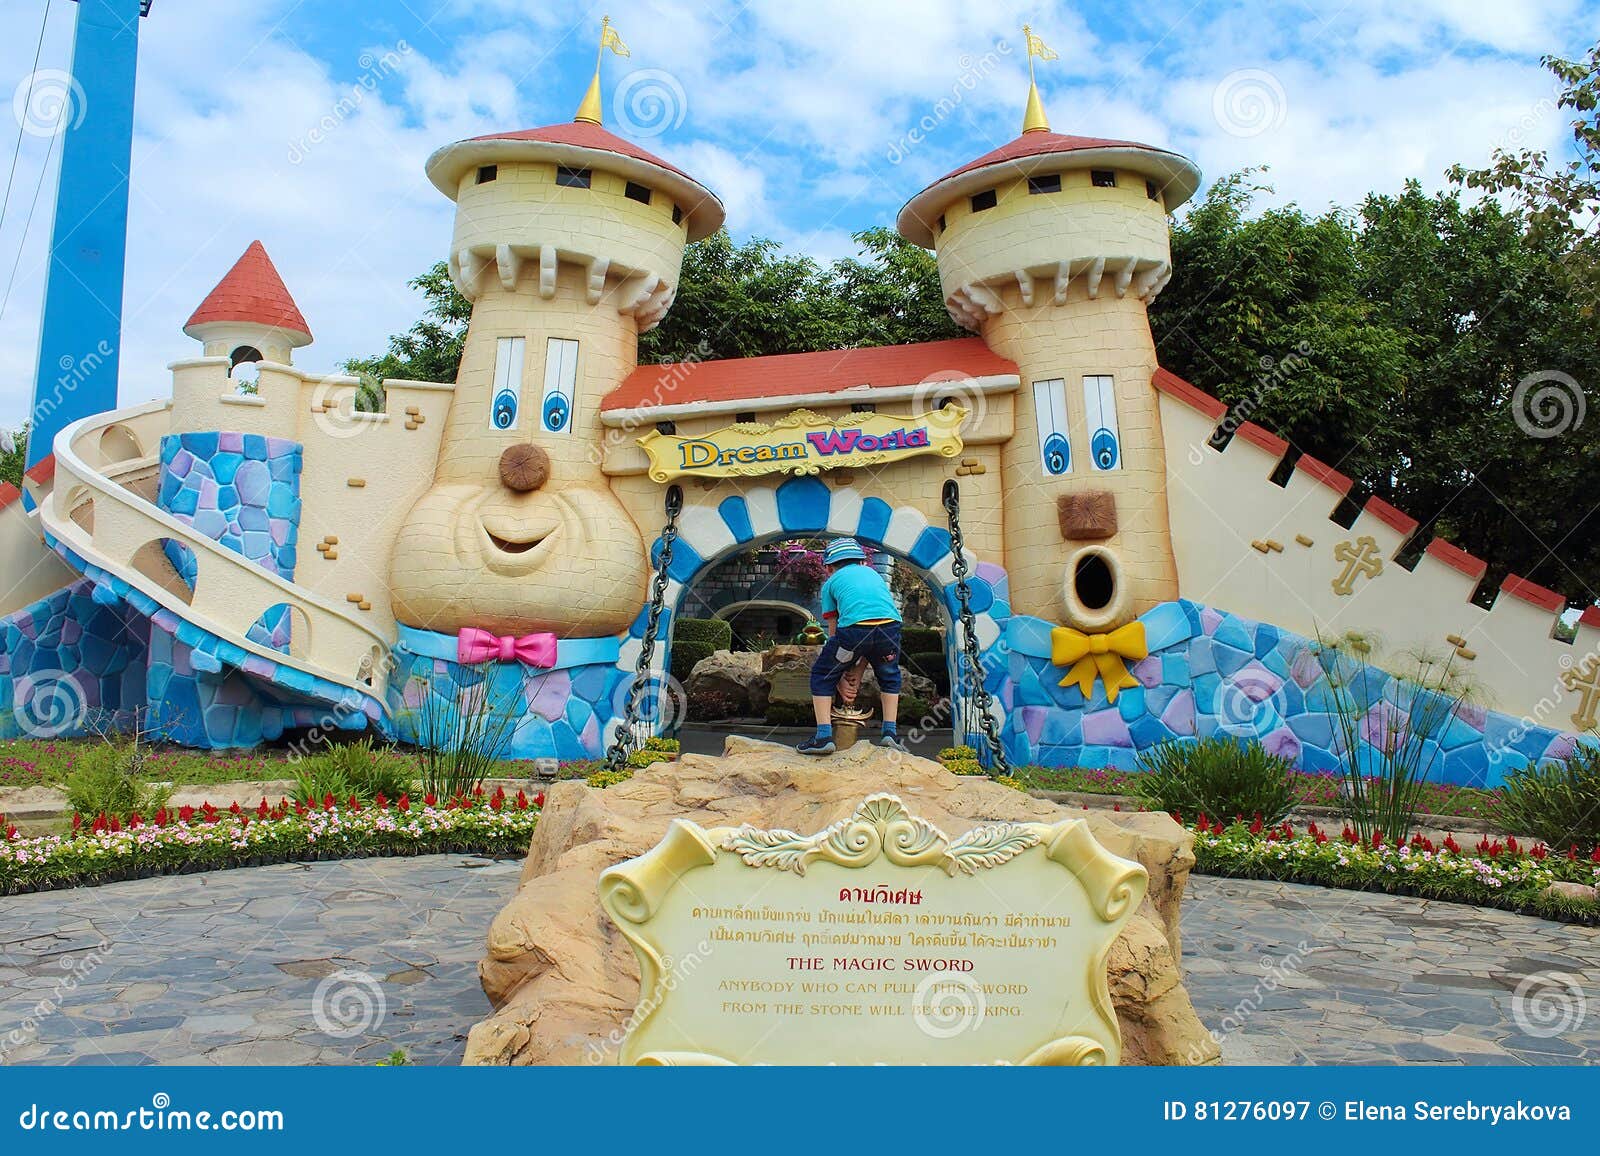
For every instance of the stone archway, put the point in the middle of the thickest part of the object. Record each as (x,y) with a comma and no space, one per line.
(809,507)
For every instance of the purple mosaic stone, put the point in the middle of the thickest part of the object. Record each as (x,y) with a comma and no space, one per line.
(549,694)
(1474,715)
(1256,682)
(1148,671)
(231,442)
(1106,728)
(1209,621)
(1179,715)
(1305,670)
(1284,743)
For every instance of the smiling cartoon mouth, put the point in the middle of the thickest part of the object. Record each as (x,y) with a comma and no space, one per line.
(507,546)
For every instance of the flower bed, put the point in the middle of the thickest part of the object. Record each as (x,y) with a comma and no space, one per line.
(1486,874)
(204,839)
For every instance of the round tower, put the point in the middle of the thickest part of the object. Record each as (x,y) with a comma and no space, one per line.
(567,241)
(250,315)
(1051,247)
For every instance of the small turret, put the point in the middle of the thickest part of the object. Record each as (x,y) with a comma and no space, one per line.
(250,315)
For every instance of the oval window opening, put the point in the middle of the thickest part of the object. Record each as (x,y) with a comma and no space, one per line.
(1094,582)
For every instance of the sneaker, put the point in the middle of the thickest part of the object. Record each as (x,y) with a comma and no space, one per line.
(893,743)
(816,746)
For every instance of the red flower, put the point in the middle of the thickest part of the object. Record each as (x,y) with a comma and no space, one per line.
(1116,806)
(99,823)
(403,802)
(328,801)
(1451,845)
(1539,851)
(522,800)
(77,821)
(134,820)
(236,809)
(1322,837)
(116,823)
(11,833)
(1255,827)
(1594,856)
(1177,817)
(478,790)
(495,802)
(263,810)
(1572,852)
(185,813)
(430,799)
(1495,848)
(1511,844)
(382,801)
(355,803)
(162,817)
(1348,835)
(538,800)
(244,822)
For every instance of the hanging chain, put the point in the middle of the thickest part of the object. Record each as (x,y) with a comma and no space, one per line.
(969,637)
(622,744)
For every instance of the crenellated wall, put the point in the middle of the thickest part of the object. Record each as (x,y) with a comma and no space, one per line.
(1273,554)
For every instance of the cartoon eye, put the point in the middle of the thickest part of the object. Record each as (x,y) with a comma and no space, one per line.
(1103,445)
(1057,454)
(556,412)
(504,414)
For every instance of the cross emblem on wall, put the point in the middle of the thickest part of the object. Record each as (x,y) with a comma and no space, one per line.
(1359,557)
(1585,679)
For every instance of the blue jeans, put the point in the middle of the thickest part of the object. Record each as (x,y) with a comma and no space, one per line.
(879,645)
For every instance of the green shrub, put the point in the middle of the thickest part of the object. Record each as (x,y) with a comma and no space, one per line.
(962,752)
(685,656)
(709,705)
(1557,802)
(111,779)
(366,769)
(963,766)
(641,759)
(315,781)
(913,710)
(1221,777)
(931,666)
(657,743)
(608,778)
(715,631)
(790,714)
(921,640)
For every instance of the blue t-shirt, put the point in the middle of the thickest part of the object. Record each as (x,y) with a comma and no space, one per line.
(858,593)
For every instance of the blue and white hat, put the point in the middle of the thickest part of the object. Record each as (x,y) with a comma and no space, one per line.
(843,550)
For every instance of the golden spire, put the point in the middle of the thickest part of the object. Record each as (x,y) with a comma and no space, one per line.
(589,109)
(1033,118)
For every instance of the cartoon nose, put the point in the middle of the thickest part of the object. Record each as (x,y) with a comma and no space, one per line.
(524,468)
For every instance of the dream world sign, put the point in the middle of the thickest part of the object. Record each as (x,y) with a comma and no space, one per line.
(804,442)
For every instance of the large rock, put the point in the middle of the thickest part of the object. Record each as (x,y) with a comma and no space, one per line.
(734,676)
(801,658)
(563,980)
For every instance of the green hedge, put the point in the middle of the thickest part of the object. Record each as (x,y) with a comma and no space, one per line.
(932,667)
(685,654)
(713,631)
(921,640)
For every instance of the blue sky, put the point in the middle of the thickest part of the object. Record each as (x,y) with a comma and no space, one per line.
(305,123)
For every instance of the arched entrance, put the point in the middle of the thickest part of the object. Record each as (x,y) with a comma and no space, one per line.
(808,507)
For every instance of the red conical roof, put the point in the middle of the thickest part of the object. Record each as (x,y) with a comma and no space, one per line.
(251,292)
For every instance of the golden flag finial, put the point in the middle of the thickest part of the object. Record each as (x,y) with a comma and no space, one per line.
(589,110)
(1033,118)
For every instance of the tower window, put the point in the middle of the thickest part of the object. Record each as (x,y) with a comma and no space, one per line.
(560,385)
(243,355)
(1100,407)
(863,407)
(984,200)
(939,225)
(1151,191)
(666,427)
(637,192)
(1049,184)
(487,173)
(1050,411)
(746,418)
(507,397)
(1103,178)
(677,215)
(572,178)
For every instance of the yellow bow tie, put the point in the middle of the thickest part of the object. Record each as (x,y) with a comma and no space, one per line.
(1100,656)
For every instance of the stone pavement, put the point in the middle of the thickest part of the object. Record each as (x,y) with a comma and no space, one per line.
(1291,974)
(339,963)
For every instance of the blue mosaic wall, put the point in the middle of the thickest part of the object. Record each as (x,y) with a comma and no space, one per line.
(243,491)
(561,713)
(1213,673)
(70,664)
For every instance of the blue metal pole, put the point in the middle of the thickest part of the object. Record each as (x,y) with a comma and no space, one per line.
(80,334)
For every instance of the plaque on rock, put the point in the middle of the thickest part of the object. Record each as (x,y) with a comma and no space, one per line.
(878,940)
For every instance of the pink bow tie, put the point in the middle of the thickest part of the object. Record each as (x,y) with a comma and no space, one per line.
(474,645)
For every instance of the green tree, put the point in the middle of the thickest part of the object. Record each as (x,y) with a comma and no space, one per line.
(12,458)
(431,349)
